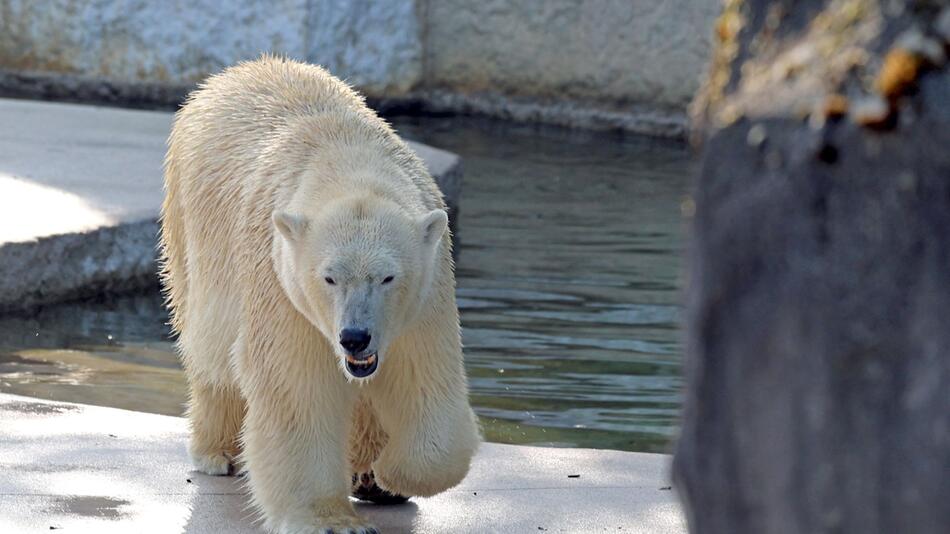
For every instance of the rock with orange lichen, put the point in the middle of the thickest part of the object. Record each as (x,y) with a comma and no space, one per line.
(788,64)
(898,73)
(836,105)
(816,334)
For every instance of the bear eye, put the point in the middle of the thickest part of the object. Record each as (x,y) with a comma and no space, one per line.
(329,281)
(388,279)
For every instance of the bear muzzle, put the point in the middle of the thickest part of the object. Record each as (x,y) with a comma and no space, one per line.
(360,362)
(362,366)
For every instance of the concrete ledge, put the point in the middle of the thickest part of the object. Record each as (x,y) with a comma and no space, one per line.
(80,192)
(84,468)
(639,119)
(71,266)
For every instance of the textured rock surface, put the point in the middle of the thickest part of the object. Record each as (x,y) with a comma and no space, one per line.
(80,190)
(613,51)
(629,65)
(373,43)
(817,368)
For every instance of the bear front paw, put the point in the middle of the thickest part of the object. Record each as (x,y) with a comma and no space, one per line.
(404,480)
(216,464)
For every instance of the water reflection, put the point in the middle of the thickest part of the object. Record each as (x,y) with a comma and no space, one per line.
(567,283)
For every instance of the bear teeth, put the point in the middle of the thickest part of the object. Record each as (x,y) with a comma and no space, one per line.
(366,362)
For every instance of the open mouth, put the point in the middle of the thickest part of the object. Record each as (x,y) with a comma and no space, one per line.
(361,367)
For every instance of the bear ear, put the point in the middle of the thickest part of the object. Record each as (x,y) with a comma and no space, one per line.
(290,226)
(433,225)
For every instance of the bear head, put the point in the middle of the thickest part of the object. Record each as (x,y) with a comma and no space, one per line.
(360,270)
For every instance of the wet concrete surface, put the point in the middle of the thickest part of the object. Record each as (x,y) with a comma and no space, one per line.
(78,468)
(85,506)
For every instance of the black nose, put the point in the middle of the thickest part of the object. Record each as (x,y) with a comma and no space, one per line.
(354,340)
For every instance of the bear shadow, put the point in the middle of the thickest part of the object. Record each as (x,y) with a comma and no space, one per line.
(221,504)
(390,518)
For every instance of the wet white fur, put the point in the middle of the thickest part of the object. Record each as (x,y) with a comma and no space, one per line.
(275,172)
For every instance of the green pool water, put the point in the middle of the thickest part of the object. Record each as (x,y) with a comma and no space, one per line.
(568,283)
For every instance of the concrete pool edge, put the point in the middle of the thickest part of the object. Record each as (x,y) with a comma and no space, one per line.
(109,470)
(117,250)
(69,266)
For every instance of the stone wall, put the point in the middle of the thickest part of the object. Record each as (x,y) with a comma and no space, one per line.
(629,64)
(612,51)
(375,44)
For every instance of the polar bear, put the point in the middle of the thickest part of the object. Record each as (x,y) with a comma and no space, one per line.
(307,266)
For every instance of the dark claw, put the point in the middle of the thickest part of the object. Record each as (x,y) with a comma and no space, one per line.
(368,490)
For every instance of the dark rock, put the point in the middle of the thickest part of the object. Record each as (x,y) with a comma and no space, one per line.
(818,355)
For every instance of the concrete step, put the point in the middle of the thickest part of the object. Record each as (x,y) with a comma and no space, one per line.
(80,192)
(80,468)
